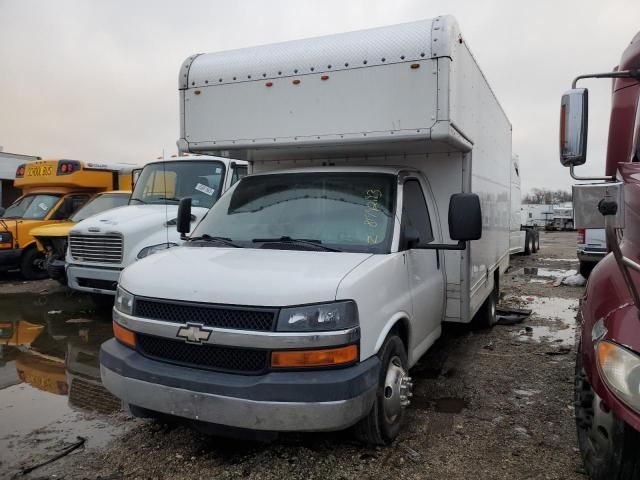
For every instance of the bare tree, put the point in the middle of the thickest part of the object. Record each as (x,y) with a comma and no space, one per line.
(545,196)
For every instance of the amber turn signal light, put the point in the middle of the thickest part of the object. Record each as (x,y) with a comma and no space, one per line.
(314,358)
(124,335)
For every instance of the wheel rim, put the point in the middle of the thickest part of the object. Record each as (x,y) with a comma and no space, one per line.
(396,391)
(595,423)
(38,264)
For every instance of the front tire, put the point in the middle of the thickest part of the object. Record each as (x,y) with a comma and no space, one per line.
(608,445)
(32,265)
(382,424)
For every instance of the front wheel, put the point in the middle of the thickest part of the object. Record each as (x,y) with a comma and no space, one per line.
(382,424)
(32,265)
(608,445)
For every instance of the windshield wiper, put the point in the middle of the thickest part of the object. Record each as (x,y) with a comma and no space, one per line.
(208,238)
(170,199)
(299,241)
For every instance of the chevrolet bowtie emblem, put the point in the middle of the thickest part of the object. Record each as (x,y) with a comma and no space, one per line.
(194,333)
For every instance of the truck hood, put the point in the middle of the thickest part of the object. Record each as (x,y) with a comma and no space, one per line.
(131,218)
(53,230)
(241,276)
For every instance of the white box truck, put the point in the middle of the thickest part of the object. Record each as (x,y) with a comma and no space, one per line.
(104,244)
(376,209)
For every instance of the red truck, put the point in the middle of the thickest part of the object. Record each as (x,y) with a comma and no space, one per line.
(607,381)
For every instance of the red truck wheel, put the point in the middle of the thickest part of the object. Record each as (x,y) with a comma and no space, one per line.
(608,445)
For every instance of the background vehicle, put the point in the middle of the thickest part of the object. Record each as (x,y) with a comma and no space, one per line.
(52,239)
(536,215)
(607,398)
(52,191)
(562,218)
(592,247)
(313,285)
(102,245)
(523,238)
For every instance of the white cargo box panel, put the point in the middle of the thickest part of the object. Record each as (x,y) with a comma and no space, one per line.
(384,90)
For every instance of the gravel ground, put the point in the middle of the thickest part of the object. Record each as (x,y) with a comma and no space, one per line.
(487,404)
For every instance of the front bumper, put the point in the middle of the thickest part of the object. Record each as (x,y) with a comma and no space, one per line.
(93,279)
(318,400)
(10,258)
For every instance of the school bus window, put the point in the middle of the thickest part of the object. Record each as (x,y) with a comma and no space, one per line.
(32,207)
(69,206)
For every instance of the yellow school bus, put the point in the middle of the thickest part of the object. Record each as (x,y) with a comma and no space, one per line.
(52,190)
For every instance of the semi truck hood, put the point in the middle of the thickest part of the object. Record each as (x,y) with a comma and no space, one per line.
(241,276)
(132,218)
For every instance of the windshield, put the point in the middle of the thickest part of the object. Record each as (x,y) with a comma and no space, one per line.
(347,211)
(169,182)
(100,204)
(32,207)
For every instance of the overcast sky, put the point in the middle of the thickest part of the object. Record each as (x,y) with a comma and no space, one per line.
(97,80)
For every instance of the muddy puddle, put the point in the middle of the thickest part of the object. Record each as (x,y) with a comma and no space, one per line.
(50,389)
(552,320)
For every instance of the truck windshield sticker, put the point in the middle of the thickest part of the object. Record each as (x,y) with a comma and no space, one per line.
(43,206)
(204,189)
(371,212)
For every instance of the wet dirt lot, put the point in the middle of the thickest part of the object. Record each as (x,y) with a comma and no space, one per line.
(487,404)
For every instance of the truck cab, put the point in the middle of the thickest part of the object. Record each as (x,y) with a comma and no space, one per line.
(101,246)
(607,397)
(305,295)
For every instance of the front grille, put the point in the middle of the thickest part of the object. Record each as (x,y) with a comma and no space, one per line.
(221,316)
(211,357)
(99,284)
(92,396)
(96,248)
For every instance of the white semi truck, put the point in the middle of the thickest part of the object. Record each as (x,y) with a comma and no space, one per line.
(376,209)
(104,244)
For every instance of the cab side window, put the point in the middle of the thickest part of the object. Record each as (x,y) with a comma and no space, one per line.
(414,210)
(238,173)
(69,206)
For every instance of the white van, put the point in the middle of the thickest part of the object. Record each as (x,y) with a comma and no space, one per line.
(302,299)
(102,245)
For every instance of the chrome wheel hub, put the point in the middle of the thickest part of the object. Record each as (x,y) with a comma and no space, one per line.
(396,391)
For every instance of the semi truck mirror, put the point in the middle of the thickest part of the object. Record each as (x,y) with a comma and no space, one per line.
(573,127)
(465,217)
(183,223)
(586,200)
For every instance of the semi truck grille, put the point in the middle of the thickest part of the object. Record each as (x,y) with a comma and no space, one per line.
(96,248)
(210,315)
(211,357)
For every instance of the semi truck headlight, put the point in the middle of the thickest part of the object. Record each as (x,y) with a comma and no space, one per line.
(326,316)
(145,252)
(124,301)
(621,371)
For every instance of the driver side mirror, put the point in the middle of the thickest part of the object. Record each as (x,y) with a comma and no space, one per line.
(183,222)
(574,109)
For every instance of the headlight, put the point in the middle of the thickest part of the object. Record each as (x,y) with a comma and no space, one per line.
(327,316)
(621,371)
(6,237)
(145,252)
(124,301)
